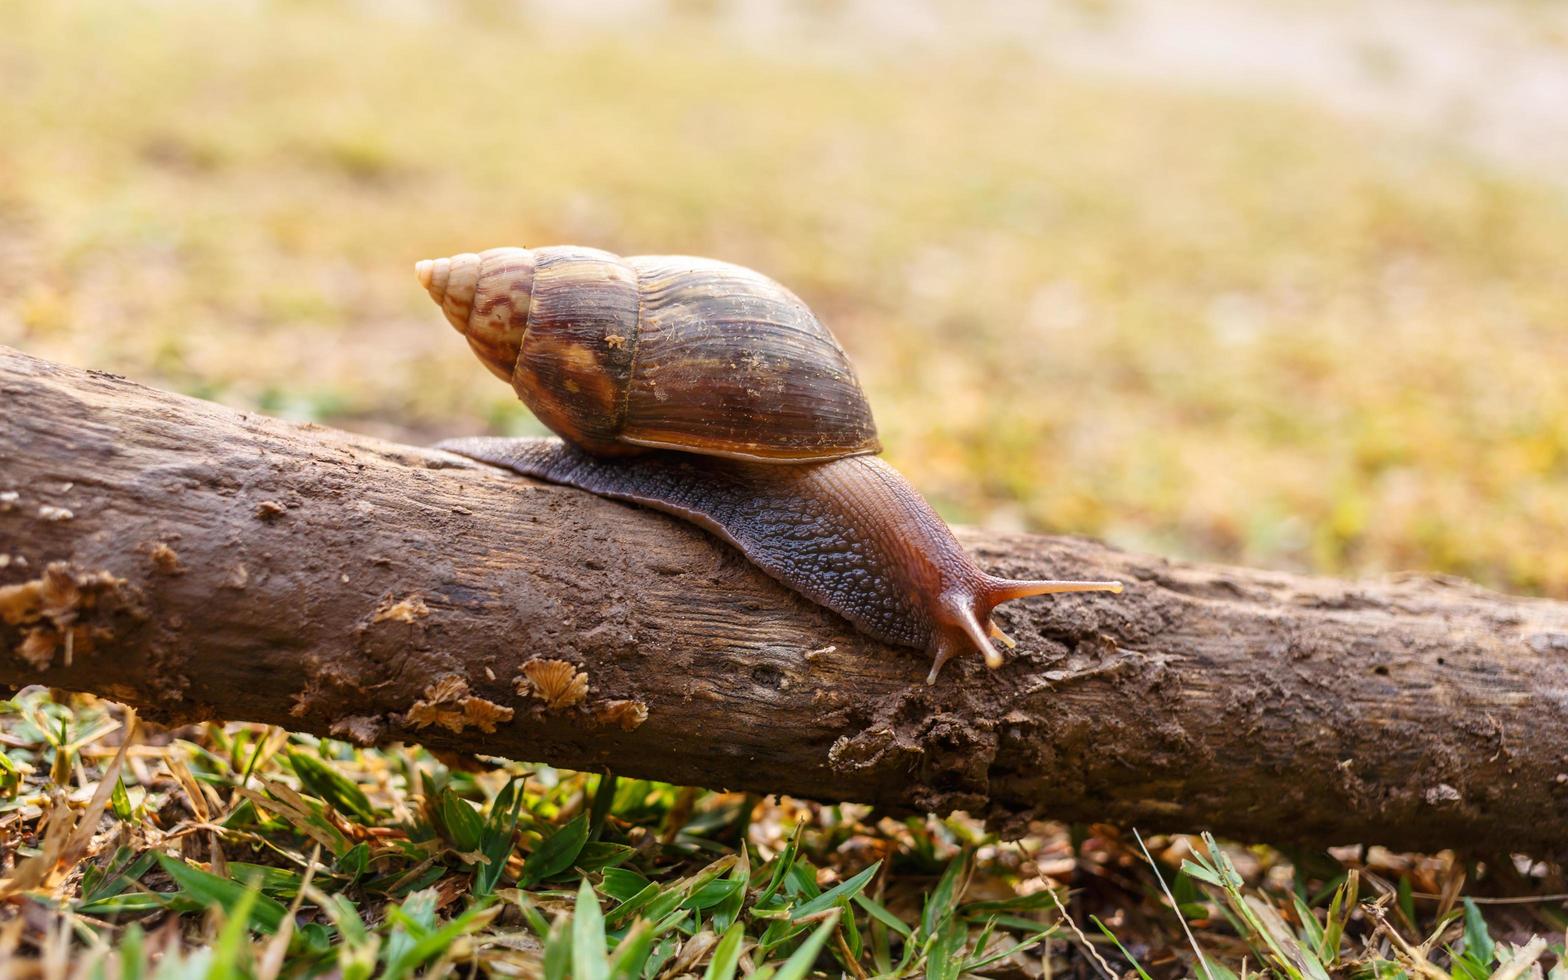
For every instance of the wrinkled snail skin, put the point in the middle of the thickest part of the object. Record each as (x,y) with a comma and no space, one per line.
(849,534)
(687,385)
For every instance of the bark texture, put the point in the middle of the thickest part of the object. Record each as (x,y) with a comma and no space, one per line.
(201,563)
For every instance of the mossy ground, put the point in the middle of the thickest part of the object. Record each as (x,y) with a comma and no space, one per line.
(1203,324)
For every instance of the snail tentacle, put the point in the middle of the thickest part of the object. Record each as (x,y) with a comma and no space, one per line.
(996,631)
(965,619)
(1000,590)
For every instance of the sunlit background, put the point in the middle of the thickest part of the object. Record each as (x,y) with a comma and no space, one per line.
(1278,283)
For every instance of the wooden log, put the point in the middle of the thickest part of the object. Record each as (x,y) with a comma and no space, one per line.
(202,563)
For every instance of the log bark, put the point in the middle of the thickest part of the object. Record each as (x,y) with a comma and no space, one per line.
(202,563)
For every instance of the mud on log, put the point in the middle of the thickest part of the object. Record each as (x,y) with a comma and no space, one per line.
(202,563)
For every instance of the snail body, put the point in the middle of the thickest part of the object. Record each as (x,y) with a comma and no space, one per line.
(860,540)
(709,392)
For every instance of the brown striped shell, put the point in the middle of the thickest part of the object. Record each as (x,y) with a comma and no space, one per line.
(618,355)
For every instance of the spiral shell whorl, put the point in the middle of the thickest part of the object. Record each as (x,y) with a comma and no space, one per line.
(450,282)
(486,298)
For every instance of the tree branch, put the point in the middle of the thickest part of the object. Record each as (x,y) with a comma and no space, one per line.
(201,563)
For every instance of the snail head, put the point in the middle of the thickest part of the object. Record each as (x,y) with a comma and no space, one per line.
(964,620)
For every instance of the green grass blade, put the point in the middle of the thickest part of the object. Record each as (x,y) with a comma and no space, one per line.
(589,961)
(1142,973)
(621,884)
(10,778)
(728,911)
(207,889)
(631,953)
(726,955)
(843,891)
(231,954)
(120,875)
(280,883)
(120,802)
(497,839)
(783,864)
(944,955)
(320,779)
(662,954)
(1311,930)
(458,823)
(1192,940)
(132,958)
(939,903)
(556,852)
(1201,872)
(1478,940)
(430,945)
(637,902)
(980,961)
(411,921)
(603,801)
(558,951)
(1405,901)
(535,919)
(802,879)
(354,862)
(597,855)
(879,912)
(1339,913)
(357,948)
(800,961)
(881,947)
(714,893)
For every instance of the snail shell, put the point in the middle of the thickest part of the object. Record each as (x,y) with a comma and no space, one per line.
(620,355)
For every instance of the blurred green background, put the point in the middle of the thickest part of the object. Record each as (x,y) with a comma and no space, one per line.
(1195,316)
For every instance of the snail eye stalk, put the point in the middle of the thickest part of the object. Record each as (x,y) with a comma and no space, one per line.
(1002,590)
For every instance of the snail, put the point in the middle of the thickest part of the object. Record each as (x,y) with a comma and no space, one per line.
(710,392)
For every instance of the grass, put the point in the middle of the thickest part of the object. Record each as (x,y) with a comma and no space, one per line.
(243,851)
(1205,325)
